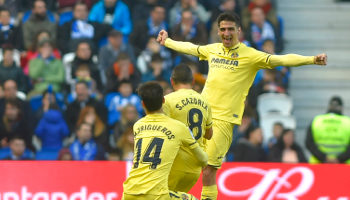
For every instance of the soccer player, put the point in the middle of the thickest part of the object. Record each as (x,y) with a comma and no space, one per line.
(158,139)
(232,68)
(189,107)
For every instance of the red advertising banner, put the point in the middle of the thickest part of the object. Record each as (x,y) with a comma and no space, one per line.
(59,180)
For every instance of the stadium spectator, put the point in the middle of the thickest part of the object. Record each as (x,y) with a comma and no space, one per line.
(79,28)
(286,150)
(152,48)
(9,33)
(249,148)
(126,144)
(83,99)
(199,78)
(148,27)
(65,154)
(13,123)
(236,84)
(143,8)
(198,10)
(17,149)
(84,55)
(46,70)
(115,101)
(129,115)
(189,29)
(328,136)
(10,70)
(115,13)
(155,70)
(268,8)
(38,21)
(122,69)
(84,147)
(52,129)
(225,6)
(277,130)
(115,154)
(260,29)
(100,129)
(33,52)
(10,92)
(83,73)
(48,98)
(109,53)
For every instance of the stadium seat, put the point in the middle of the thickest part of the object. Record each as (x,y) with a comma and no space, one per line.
(47,154)
(267,121)
(274,102)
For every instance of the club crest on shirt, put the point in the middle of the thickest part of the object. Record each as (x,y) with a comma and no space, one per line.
(234,55)
(184,197)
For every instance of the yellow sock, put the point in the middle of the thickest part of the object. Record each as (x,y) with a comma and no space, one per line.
(209,192)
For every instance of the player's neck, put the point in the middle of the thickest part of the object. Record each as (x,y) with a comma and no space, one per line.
(160,111)
(182,86)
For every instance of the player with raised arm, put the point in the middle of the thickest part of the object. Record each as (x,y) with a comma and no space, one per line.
(232,69)
(158,139)
(189,107)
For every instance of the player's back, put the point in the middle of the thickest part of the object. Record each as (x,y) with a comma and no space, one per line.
(189,107)
(157,141)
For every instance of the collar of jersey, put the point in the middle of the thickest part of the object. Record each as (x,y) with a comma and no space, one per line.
(232,48)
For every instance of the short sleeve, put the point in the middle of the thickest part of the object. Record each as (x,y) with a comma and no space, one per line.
(187,138)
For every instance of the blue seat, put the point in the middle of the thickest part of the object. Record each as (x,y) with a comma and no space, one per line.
(47,154)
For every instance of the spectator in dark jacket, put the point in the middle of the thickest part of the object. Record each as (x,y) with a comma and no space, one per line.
(52,129)
(148,27)
(83,99)
(249,149)
(13,123)
(8,32)
(10,70)
(286,149)
(79,28)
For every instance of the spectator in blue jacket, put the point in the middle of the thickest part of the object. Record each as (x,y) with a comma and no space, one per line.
(113,12)
(85,147)
(52,128)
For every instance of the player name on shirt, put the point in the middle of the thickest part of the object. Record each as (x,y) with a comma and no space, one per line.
(154,127)
(187,101)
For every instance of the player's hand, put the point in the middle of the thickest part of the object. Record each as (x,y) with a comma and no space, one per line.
(320,59)
(162,36)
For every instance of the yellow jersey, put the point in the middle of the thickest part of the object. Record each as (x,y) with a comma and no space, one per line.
(157,141)
(189,107)
(232,72)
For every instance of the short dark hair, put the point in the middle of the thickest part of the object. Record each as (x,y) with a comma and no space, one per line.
(182,74)
(79,3)
(229,16)
(151,94)
(7,47)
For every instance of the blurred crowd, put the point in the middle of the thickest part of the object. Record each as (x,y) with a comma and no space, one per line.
(70,68)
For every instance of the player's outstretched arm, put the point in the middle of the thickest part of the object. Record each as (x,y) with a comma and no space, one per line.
(182,47)
(200,155)
(290,60)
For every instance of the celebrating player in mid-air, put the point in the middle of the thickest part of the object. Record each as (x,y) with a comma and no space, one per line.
(232,69)
(189,107)
(157,142)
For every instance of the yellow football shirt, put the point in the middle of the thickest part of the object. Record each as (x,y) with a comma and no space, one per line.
(189,107)
(157,141)
(232,72)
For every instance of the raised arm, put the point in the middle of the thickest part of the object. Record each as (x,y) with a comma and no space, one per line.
(290,60)
(182,47)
